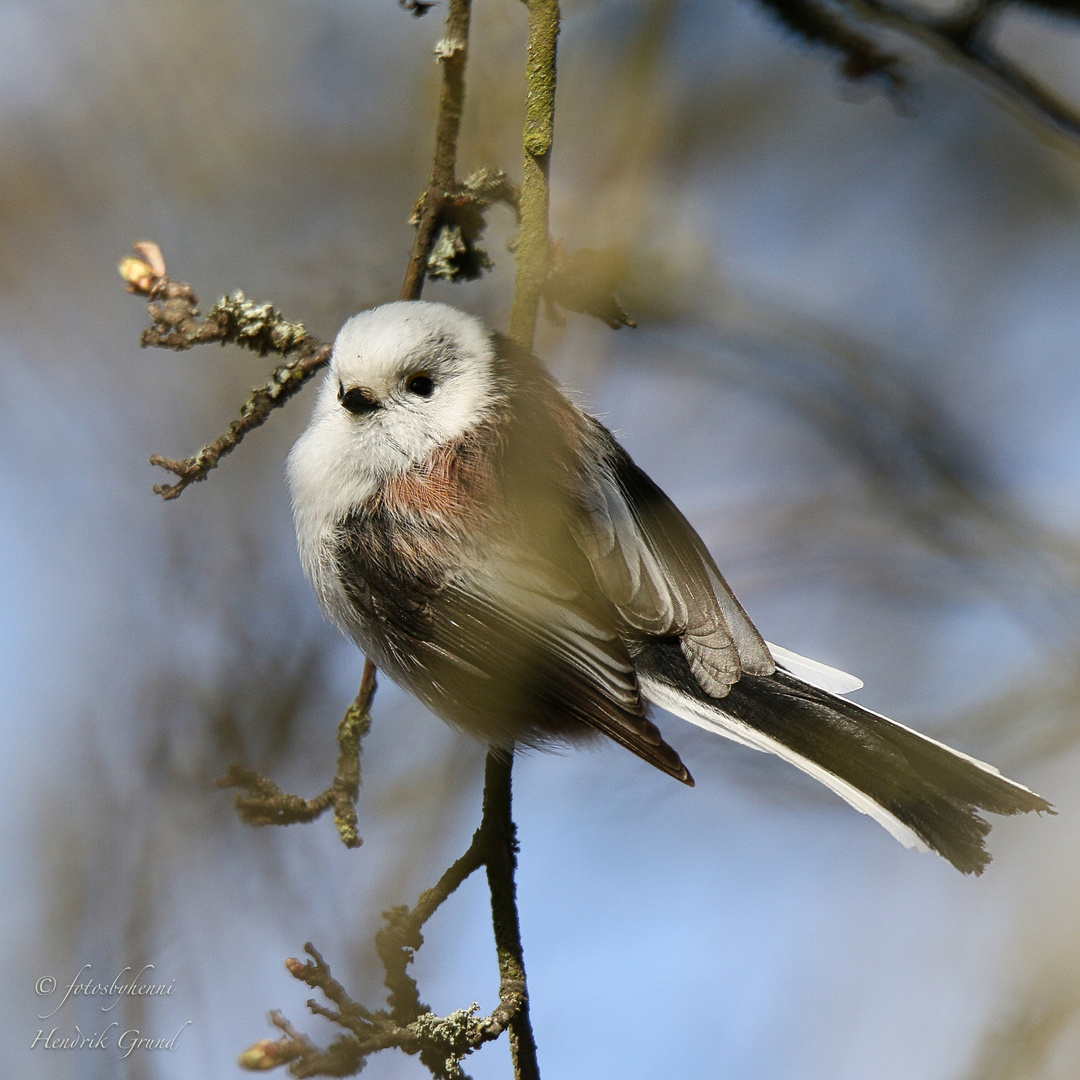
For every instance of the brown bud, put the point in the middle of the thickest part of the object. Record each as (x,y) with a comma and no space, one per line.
(267,1054)
(138,274)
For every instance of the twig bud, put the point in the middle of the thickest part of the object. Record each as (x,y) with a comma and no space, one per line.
(138,274)
(268,1054)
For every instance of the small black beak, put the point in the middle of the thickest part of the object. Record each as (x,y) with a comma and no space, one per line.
(358,401)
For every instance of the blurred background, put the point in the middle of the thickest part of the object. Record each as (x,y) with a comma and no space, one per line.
(856,370)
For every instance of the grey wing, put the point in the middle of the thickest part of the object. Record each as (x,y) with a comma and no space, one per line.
(516,649)
(658,573)
(525,641)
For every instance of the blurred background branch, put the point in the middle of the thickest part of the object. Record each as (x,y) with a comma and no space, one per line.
(962,37)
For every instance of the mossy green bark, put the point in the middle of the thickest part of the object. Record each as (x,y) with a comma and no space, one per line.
(534,245)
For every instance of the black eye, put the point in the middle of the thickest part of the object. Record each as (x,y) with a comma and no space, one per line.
(357,400)
(421,386)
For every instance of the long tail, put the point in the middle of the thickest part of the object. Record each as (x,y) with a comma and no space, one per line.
(926,794)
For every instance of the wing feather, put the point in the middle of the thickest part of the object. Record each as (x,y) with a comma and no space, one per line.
(547,658)
(515,649)
(658,573)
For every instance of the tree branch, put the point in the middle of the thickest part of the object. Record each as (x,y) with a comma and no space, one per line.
(500,860)
(533,253)
(452,53)
(177,323)
(401,937)
(818,24)
(409,1025)
(266,804)
(962,41)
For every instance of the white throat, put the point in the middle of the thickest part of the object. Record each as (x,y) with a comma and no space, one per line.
(343,459)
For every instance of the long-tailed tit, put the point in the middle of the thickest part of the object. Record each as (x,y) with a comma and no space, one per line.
(494,550)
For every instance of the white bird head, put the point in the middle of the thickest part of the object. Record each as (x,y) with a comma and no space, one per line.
(405,379)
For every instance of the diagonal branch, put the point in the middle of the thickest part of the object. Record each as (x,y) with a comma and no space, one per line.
(177,323)
(441,1043)
(401,937)
(963,42)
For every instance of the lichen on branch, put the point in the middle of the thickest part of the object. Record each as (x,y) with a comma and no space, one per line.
(177,323)
(262,802)
(440,1042)
(455,253)
(533,251)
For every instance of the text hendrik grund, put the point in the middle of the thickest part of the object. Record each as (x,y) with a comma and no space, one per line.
(127,1041)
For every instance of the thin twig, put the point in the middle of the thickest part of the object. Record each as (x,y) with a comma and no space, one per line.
(533,253)
(432,899)
(401,937)
(500,858)
(266,804)
(452,53)
(409,1025)
(345,787)
(316,974)
(177,323)
(819,24)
